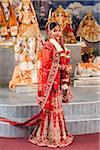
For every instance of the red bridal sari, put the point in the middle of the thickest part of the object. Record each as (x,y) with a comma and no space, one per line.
(50,129)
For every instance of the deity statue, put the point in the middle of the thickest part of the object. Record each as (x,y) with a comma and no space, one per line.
(89,29)
(8,22)
(27,19)
(64,19)
(27,46)
(68,31)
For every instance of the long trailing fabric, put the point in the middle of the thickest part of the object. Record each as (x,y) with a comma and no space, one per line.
(30,122)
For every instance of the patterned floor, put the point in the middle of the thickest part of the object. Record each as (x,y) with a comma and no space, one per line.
(82,142)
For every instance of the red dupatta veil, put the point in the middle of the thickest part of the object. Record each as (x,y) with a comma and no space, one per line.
(44,88)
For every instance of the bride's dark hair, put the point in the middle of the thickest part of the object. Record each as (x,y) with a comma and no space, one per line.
(52,25)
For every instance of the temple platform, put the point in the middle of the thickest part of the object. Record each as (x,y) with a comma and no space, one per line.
(82,114)
(87,82)
(8,63)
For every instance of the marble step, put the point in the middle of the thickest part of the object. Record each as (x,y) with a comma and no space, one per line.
(75,125)
(26,111)
(81,83)
(9,131)
(81,113)
(25,88)
(84,125)
(87,78)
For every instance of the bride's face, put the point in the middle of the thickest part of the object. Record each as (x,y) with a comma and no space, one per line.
(56,32)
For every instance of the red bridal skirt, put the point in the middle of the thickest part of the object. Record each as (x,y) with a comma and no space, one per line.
(52,131)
